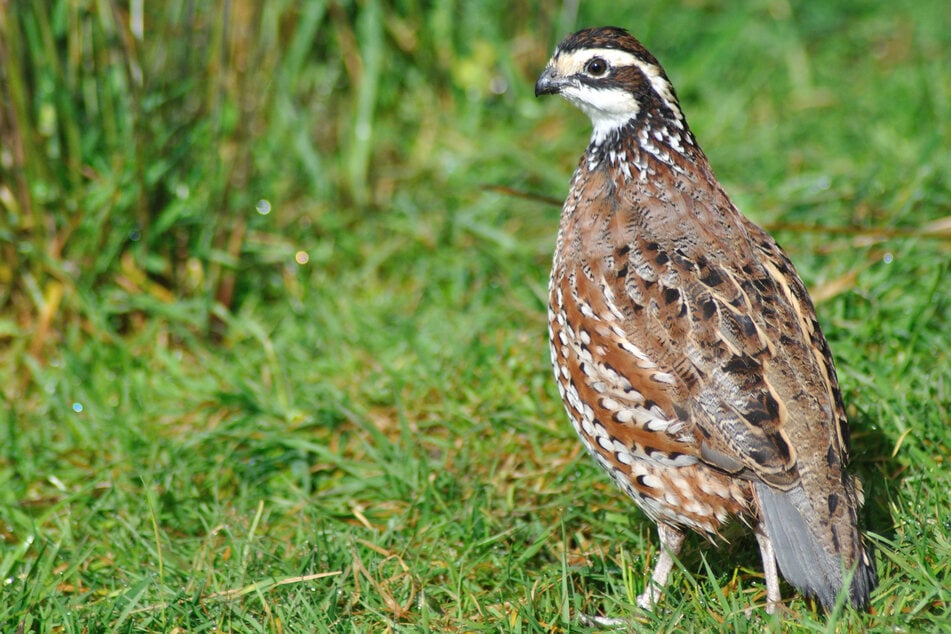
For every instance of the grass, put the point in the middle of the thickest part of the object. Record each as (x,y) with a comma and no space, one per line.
(273,358)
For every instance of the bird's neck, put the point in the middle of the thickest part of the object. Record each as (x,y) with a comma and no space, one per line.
(640,146)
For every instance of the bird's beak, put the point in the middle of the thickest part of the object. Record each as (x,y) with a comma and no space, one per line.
(549,83)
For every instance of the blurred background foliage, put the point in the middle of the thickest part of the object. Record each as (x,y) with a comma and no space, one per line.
(273,283)
(141,170)
(174,173)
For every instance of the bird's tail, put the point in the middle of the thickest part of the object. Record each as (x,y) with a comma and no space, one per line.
(817,556)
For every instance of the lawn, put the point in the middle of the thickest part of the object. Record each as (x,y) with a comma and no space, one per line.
(273,346)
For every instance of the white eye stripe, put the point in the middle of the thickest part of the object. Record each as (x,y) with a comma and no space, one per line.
(573,62)
(660,85)
(614,57)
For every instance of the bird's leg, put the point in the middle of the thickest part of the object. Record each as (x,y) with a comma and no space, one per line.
(671,540)
(770,570)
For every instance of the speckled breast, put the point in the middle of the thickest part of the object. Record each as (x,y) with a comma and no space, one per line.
(642,448)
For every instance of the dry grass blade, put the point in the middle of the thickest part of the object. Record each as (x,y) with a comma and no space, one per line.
(269,584)
(252,588)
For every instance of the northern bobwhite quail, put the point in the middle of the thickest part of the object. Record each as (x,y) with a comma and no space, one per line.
(686,348)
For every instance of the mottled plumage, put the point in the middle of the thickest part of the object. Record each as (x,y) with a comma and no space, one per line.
(685,346)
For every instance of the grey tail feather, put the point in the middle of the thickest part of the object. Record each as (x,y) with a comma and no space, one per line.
(802,560)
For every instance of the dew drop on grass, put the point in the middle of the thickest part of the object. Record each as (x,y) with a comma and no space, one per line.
(887,258)
(301,257)
(78,408)
(263,207)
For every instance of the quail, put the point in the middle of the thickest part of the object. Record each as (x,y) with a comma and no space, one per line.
(685,346)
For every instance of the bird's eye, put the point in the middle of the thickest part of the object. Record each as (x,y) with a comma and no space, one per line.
(596,67)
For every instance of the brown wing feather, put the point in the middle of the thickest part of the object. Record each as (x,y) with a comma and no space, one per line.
(683,294)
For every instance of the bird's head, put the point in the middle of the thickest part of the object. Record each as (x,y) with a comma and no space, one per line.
(610,77)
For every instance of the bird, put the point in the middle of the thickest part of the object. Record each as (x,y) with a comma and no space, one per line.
(685,346)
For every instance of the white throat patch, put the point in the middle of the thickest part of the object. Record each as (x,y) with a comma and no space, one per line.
(608,109)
